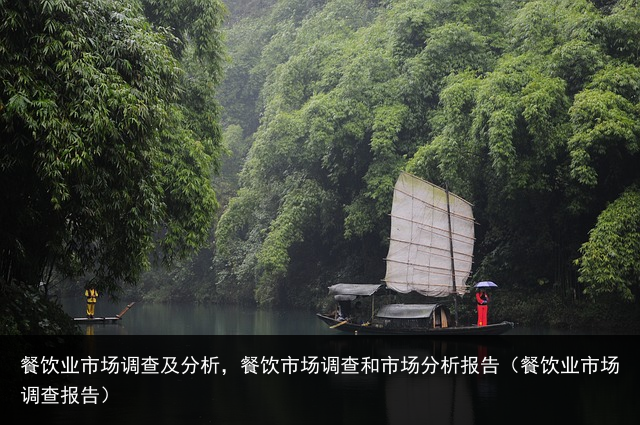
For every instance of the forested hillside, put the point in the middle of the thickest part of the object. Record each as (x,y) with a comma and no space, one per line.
(530,109)
(249,149)
(110,135)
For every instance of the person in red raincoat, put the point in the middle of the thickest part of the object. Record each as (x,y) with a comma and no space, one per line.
(482,299)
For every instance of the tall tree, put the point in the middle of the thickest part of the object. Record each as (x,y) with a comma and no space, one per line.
(609,261)
(99,164)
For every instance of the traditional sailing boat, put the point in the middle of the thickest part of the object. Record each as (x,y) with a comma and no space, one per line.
(431,253)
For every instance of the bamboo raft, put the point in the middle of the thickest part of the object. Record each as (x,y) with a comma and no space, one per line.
(111,319)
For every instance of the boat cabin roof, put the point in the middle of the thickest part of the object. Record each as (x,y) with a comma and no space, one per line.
(352,290)
(407,311)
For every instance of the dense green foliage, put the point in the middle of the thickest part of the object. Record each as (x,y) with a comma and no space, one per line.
(111,131)
(529,109)
(109,137)
(609,259)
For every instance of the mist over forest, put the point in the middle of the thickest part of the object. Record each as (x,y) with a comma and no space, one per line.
(246,151)
(527,109)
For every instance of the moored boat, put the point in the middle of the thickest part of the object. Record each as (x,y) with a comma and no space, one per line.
(431,254)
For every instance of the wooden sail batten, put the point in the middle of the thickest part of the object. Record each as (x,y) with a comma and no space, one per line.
(429,249)
(431,266)
(428,227)
(460,237)
(437,285)
(461,256)
(439,208)
(425,267)
(444,212)
(432,186)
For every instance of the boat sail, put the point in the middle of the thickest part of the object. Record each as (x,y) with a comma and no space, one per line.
(432,239)
(431,253)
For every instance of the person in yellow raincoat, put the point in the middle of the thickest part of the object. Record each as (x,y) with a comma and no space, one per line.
(91,293)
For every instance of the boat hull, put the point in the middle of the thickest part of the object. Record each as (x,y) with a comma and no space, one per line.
(88,321)
(112,319)
(348,327)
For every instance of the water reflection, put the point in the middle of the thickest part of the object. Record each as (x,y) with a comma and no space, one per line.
(211,319)
(438,399)
(193,319)
(426,396)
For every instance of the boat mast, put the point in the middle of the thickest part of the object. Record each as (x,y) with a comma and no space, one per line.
(453,269)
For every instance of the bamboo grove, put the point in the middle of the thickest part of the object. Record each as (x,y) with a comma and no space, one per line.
(110,134)
(530,109)
(266,135)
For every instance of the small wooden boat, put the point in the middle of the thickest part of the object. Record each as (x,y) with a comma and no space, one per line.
(430,253)
(111,319)
(384,329)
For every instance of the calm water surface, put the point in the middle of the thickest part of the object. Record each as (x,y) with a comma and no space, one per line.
(194,319)
(211,319)
(236,335)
